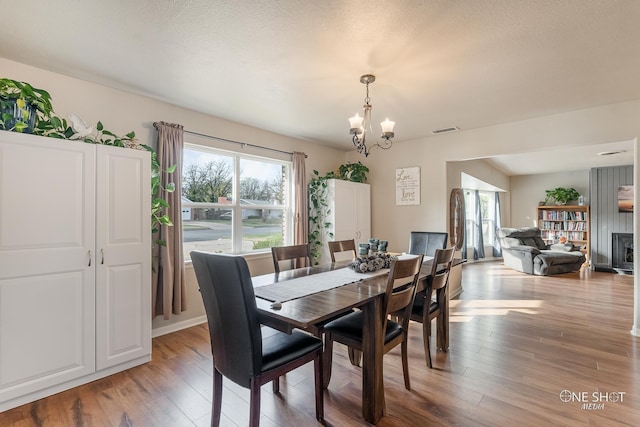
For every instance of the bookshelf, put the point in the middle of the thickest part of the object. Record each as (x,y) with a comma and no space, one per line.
(571,222)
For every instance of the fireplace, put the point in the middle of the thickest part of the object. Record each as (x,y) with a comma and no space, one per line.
(622,261)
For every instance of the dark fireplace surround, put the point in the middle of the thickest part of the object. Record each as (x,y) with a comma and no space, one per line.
(622,260)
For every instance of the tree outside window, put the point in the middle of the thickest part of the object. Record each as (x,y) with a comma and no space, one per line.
(234,203)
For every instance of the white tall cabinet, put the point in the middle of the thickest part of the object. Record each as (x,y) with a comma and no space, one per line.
(75,264)
(349,214)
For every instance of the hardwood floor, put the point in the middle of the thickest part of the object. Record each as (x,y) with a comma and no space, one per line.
(516,342)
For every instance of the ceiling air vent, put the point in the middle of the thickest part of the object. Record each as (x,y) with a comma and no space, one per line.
(445,130)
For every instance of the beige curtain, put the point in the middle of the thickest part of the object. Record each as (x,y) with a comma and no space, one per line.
(168,283)
(301,200)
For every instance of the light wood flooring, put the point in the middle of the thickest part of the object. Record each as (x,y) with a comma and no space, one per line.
(516,343)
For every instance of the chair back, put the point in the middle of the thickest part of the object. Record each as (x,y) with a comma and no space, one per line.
(297,255)
(401,286)
(342,246)
(227,292)
(426,242)
(442,260)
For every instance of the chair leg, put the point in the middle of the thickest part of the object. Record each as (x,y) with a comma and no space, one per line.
(354,356)
(276,385)
(443,328)
(327,360)
(405,363)
(319,382)
(426,332)
(254,404)
(216,400)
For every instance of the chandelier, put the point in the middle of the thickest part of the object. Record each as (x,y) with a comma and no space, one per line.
(360,126)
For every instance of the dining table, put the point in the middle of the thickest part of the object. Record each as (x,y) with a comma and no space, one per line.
(307,298)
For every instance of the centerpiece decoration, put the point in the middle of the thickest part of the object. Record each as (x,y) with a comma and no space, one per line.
(373,262)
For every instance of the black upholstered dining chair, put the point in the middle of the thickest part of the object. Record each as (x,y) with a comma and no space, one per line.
(297,255)
(398,299)
(242,351)
(339,246)
(428,306)
(426,242)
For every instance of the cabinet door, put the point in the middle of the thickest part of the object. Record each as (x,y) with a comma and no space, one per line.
(123,287)
(47,262)
(345,204)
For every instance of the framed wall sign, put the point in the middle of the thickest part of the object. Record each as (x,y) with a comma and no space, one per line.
(408,186)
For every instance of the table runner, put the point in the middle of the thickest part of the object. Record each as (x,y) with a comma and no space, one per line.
(308,285)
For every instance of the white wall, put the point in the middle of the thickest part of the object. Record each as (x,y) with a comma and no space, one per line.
(609,123)
(482,170)
(121,112)
(528,190)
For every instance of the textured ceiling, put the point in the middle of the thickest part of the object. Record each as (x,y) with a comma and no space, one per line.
(293,67)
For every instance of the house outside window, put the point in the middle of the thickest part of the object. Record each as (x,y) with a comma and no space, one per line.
(234,203)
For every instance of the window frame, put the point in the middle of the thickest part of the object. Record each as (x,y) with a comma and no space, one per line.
(469,195)
(236,207)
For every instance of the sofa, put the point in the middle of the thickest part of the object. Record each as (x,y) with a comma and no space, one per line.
(524,250)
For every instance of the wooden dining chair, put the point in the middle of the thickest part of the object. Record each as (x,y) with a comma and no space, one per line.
(297,255)
(398,299)
(243,351)
(433,301)
(339,246)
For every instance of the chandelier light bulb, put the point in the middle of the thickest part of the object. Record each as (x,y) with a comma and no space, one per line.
(387,128)
(355,122)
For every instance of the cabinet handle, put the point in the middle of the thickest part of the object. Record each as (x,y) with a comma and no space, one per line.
(89,253)
(102,255)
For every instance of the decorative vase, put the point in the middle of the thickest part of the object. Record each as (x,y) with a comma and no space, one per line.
(364,249)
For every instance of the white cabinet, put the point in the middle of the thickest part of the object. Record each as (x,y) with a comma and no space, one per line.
(349,212)
(75,264)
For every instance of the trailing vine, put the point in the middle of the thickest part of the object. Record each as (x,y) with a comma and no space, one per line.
(319,208)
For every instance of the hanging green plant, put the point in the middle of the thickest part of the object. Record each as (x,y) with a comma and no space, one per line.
(158,204)
(318,212)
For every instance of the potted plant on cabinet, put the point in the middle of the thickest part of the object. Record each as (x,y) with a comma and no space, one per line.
(22,105)
(561,195)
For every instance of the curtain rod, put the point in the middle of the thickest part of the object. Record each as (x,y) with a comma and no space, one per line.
(240,143)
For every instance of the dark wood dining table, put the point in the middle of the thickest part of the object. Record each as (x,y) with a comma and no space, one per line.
(310,312)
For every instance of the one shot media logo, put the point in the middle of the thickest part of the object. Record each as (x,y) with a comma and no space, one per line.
(594,400)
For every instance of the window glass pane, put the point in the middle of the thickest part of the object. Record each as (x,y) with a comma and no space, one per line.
(469,203)
(206,229)
(207,177)
(261,182)
(233,203)
(261,229)
(488,211)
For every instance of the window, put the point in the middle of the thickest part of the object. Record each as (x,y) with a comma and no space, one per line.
(487,210)
(234,203)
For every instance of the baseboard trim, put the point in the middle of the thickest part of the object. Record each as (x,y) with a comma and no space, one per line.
(178,326)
